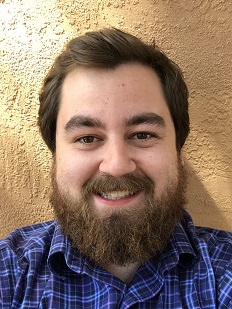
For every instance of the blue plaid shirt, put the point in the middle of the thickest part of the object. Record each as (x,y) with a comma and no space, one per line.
(40,269)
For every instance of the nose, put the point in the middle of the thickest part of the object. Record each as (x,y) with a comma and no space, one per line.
(117,159)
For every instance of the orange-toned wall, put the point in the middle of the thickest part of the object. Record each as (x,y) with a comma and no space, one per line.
(196,34)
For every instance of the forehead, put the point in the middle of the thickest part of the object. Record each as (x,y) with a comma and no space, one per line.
(126,90)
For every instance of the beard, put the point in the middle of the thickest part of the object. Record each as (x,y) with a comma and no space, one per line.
(126,235)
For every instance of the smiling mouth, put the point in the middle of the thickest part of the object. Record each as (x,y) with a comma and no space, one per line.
(116,195)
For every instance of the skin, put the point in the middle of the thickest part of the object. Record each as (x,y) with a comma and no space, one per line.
(114,122)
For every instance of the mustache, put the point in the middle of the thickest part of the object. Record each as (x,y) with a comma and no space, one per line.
(132,182)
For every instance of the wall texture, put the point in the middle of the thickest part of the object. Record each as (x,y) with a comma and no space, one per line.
(196,34)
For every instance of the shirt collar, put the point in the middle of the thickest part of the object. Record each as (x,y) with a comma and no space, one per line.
(64,260)
(181,248)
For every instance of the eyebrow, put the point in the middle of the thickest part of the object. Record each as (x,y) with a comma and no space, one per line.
(86,121)
(82,121)
(146,118)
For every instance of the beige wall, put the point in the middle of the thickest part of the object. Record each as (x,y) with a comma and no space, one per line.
(196,34)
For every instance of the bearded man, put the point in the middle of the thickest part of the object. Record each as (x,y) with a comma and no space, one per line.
(114,113)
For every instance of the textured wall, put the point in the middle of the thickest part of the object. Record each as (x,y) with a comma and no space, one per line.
(196,34)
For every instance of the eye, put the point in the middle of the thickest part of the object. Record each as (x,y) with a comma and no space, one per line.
(88,139)
(144,139)
(143,136)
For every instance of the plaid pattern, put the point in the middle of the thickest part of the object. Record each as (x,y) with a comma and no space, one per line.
(40,269)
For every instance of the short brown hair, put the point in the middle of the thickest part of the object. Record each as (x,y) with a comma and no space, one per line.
(109,48)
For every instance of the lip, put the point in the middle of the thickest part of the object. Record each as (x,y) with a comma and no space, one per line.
(121,202)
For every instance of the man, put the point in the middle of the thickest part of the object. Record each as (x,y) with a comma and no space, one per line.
(114,113)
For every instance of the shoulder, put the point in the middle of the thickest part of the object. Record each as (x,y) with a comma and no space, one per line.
(213,243)
(217,242)
(33,237)
(212,248)
(213,260)
(216,250)
(23,258)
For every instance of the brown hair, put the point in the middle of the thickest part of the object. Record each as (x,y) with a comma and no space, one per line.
(109,48)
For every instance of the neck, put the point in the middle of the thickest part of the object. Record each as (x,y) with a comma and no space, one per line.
(124,273)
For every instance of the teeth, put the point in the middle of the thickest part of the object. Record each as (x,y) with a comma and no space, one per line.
(116,195)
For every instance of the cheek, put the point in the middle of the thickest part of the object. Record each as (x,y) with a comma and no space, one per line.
(162,170)
(73,170)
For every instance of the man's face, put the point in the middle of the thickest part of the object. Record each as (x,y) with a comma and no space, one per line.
(113,128)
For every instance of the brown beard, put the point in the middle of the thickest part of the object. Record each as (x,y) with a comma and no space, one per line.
(129,235)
